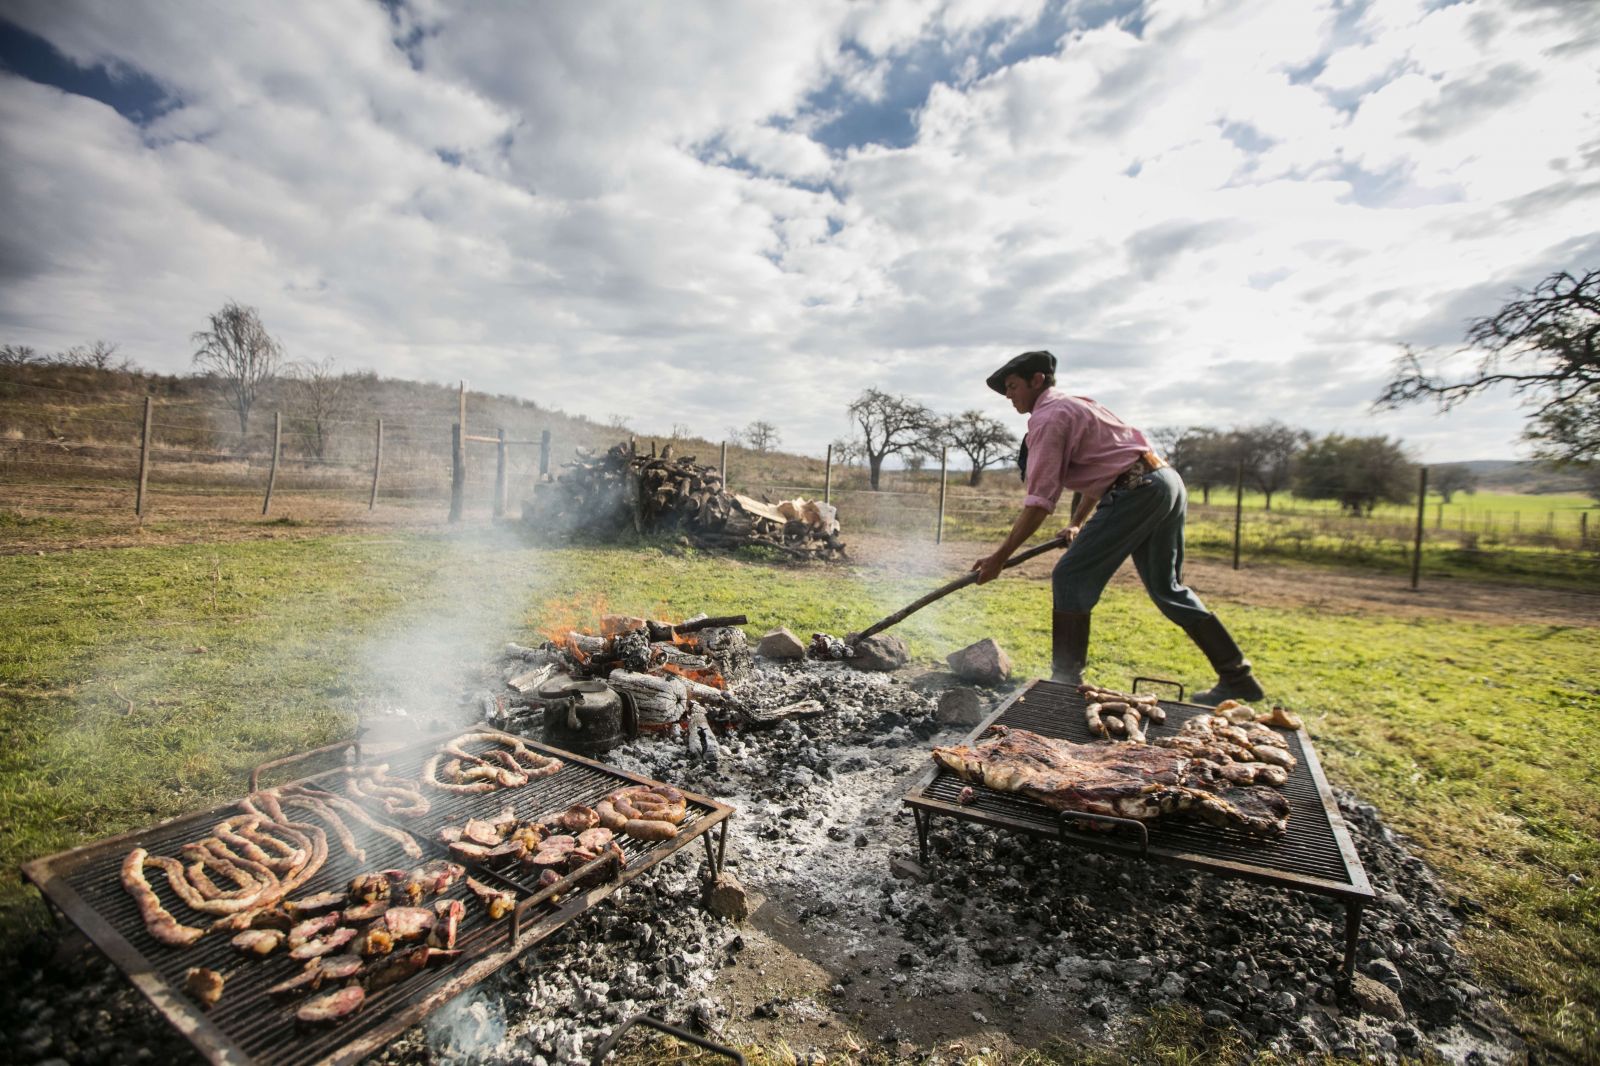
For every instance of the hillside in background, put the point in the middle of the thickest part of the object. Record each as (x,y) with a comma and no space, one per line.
(1520,475)
(96,415)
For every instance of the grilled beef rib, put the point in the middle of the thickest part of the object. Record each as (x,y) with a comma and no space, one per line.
(1125,780)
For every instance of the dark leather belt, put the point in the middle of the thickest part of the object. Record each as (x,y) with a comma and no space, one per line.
(1145,464)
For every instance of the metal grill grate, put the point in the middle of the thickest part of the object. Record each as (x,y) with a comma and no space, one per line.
(1315,854)
(247,1024)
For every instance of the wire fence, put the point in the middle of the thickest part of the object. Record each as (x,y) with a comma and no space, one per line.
(160,450)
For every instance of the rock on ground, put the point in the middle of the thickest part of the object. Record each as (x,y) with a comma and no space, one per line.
(781,644)
(882,652)
(961,707)
(983,663)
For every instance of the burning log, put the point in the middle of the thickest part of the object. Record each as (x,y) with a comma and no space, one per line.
(623,489)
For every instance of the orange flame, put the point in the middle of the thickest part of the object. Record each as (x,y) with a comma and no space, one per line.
(580,614)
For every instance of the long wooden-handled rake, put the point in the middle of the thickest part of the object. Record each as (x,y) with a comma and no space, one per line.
(944,590)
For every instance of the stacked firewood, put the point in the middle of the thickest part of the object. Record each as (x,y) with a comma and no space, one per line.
(626,489)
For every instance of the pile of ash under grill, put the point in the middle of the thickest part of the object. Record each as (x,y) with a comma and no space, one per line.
(994,929)
(624,489)
(1098,939)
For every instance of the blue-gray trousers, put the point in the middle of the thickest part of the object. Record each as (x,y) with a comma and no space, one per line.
(1144,521)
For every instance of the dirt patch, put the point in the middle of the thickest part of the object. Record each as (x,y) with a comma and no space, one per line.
(1324,589)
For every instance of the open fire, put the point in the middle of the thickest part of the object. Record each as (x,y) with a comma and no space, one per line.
(590,689)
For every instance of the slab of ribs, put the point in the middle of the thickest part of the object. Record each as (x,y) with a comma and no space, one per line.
(1139,781)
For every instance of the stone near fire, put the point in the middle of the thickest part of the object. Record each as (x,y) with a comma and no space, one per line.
(725,897)
(1376,998)
(983,663)
(781,644)
(961,706)
(882,652)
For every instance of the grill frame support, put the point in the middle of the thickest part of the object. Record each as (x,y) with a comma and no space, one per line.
(1356,894)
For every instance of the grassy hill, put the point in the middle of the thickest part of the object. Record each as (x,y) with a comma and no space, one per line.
(90,420)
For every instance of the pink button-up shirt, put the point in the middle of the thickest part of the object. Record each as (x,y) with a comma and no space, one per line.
(1074,443)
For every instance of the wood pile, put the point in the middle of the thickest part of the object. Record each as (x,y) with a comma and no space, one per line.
(623,489)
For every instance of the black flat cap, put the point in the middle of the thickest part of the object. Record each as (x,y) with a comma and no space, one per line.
(1024,366)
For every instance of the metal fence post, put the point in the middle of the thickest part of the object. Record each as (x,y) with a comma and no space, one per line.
(144,460)
(1422,508)
(458,471)
(1238,513)
(277,446)
(724,466)
(500,474)
(377,466)
(944,470)
(827,478)
(544,453)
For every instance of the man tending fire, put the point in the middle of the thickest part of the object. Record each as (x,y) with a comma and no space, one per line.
(1131,503)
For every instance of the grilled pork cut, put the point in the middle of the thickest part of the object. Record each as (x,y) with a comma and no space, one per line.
(1123,780)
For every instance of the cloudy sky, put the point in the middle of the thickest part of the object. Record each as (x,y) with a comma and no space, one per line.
(709,213)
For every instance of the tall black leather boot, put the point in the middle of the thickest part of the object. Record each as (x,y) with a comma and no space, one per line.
(1234,679)
(1069,646)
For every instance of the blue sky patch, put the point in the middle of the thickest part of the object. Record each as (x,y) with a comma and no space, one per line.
(135,95)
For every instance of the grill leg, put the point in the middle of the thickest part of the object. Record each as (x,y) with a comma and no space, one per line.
(1352,937)
(923,819)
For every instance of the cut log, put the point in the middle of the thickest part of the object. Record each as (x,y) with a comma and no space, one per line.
(659,700)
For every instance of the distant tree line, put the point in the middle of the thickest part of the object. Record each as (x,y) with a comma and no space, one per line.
(1358,472)
(884,425)
(96,355)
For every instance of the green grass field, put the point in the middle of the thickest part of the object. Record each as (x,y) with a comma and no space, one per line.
(137,684)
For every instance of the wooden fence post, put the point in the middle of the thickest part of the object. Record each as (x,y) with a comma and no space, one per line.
(500,474)
(1422,505)
(1438,517)
(377,467)
(827,478)
(144,461)
(1238,513)
(277,446)
(1583,529)
(544,453)
(944,470)
(724,466)
(458,471)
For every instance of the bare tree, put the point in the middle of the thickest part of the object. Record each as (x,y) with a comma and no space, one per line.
(238,350)
(1268,452)
(984,440)
(1454,478)
(680,431)
(100,355)
(846,452)
(18,355)
(1202,455)
(760,435)
(1544,345)
(320,395)
(617,421)
(887,425)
